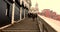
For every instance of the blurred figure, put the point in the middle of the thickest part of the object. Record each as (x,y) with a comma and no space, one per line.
(32,14)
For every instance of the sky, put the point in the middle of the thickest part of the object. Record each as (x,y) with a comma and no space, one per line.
(47,4)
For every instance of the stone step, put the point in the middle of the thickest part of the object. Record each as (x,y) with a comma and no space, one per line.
(20,30)
(26,25)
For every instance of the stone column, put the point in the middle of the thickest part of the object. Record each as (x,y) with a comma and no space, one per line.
(13,9)
(20,13)
(6,12)
(24,13)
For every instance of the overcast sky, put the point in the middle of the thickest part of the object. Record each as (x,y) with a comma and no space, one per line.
(48,4)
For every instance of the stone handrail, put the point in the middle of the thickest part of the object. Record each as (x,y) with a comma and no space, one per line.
(50,25)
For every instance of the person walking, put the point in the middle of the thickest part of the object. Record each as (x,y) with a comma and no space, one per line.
(34,16)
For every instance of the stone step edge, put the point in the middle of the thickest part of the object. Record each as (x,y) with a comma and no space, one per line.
(20,30)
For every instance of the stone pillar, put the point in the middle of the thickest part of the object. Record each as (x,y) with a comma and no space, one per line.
(13,9)
(7,9)
(20,13)
(24,13)
(6,12)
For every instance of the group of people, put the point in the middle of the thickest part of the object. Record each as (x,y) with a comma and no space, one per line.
(32,15)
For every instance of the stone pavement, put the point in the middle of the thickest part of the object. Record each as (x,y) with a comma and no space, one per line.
(26,25)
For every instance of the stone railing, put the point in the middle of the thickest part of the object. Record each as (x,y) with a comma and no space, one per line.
(48,25)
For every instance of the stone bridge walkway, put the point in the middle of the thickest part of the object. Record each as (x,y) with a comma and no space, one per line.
(26,25)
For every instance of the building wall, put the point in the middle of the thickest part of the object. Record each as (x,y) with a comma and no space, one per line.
(18,15)
(49,13)
(2,7)
(22,12)
(4,20)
